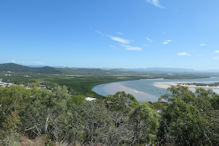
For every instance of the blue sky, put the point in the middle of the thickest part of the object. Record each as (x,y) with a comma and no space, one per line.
(111,33)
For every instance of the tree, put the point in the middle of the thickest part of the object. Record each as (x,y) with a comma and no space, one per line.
(120,106)
(12,100)
(145,124)
(42,114)
(121,102)
(189,118)
(97,123)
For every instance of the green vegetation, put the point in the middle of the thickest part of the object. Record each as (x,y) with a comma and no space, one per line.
(19,68)
(77,85)
(49,117)
(189,118)
(53,111)
(78,81)
(83,85)
(11,67)
(203,84)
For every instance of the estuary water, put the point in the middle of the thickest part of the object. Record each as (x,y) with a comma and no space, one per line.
(149,89)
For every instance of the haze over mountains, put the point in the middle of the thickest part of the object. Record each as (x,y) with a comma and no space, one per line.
(20,68)
(160,69)
(46,69)
(87,71)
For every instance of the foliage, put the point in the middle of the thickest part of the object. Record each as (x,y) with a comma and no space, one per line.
(189,118)
(145,124)
(121,102)
(185,118)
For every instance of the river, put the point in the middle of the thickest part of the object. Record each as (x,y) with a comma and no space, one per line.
(148,89)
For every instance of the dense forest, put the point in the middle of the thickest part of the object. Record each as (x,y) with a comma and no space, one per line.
(39,116)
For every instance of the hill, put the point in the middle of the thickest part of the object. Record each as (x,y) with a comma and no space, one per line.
(25,69)
(162,70)
(67,71)
(55,70)
(149,73)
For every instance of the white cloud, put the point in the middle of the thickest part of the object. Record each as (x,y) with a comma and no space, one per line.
(13,61)
(123,42)
(114,38)
(183,54)
(156,3)
(203,44)
(167,42)
(133,48)
(149,40)
(120,40)
(216,51)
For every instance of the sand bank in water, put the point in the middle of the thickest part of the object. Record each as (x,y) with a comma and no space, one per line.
(140,96)
(164,85)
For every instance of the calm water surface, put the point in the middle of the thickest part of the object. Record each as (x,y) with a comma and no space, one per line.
(144,89)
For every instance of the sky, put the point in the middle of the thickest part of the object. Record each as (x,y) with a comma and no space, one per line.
(111,33)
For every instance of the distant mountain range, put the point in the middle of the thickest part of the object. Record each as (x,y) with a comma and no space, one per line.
(20,68)
(88,71)
(159,69)
(55,70)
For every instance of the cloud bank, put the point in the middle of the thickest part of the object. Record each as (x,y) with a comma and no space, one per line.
(183,54)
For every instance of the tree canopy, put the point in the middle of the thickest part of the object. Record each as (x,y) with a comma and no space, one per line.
(181,117)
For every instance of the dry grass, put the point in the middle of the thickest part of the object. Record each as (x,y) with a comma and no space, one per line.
(40,141)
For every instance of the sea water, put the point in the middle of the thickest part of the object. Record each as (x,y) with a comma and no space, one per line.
(144,89)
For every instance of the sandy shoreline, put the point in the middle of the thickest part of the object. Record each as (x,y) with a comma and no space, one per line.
(152,93)
(166,85)
(140,95)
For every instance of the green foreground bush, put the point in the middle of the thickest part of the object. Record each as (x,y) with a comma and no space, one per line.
(180,118)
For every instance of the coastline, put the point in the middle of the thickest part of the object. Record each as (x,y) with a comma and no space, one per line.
(155,88)
(166,85)
(112,88)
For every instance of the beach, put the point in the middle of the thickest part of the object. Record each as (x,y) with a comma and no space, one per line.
(140,95)
(151,89)
(165,85)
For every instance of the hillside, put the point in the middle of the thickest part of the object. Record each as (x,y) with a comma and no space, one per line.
(67,71)
(53,70)
(103,72)
(25,69)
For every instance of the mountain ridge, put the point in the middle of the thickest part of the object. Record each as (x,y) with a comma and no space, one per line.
(13,67)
